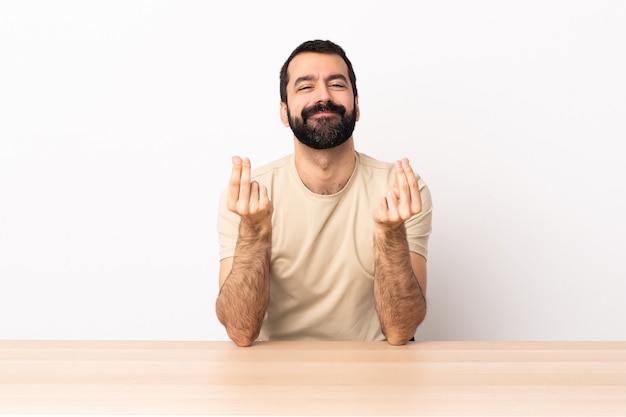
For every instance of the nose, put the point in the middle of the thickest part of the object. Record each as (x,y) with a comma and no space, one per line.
(323,94)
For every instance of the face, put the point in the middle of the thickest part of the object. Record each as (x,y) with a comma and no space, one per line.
(322,110)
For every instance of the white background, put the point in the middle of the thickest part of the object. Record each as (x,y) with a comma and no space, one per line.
(118,120)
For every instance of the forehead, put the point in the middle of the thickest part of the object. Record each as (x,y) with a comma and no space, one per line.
(317,65)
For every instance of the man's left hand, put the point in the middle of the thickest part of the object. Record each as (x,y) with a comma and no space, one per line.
(403,201)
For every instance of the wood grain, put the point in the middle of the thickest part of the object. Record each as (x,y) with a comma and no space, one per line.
(313,378)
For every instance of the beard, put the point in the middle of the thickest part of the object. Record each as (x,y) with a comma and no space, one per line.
(323,132)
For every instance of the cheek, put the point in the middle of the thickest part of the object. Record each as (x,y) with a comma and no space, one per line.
(295,107)
(295,110)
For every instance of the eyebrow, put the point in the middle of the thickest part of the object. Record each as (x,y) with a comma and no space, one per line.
(305,78)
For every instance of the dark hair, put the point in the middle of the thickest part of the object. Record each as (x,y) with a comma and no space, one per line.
(318,46)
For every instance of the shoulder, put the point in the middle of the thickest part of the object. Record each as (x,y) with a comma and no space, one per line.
(370,168)
(271,168)
(369,162)
(373,165)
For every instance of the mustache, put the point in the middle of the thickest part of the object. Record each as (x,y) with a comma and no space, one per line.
(323,107)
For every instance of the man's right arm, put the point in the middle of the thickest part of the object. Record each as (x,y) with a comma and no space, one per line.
(244,278)
(245,286)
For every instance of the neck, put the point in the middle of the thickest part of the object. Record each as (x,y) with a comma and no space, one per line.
(325,171)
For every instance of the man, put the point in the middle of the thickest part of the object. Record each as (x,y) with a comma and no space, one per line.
(326,243)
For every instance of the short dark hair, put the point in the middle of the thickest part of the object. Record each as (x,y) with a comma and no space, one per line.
(317,46)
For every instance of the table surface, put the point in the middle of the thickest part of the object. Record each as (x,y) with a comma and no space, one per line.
(313,378)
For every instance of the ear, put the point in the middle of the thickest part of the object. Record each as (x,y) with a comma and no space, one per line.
(283,114)
(356,108)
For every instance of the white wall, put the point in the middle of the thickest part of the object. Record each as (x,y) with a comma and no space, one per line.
(118,120)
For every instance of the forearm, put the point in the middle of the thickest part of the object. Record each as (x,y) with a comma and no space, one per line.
(244,296)
(400,301)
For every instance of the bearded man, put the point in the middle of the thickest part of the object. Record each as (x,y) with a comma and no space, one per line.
(326,243)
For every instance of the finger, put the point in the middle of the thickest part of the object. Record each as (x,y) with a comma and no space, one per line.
(234,183)
(244,186)
(391,204)
(263,197)
(253,204)
(404,193)
(415,197)
(264,201)
(395,188)
(380,214)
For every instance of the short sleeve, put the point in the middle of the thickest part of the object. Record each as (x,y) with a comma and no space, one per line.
(419,227)
(227,228)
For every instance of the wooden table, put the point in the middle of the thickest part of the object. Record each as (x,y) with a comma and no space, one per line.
(313,378)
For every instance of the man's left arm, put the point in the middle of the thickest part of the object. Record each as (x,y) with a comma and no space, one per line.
(399,275)
(399,286)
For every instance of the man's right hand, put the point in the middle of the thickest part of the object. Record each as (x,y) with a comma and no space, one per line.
(248,198)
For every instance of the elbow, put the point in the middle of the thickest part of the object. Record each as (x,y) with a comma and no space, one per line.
(398,340)
(396,336)
(401,335)
(243,342)
(242,338)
